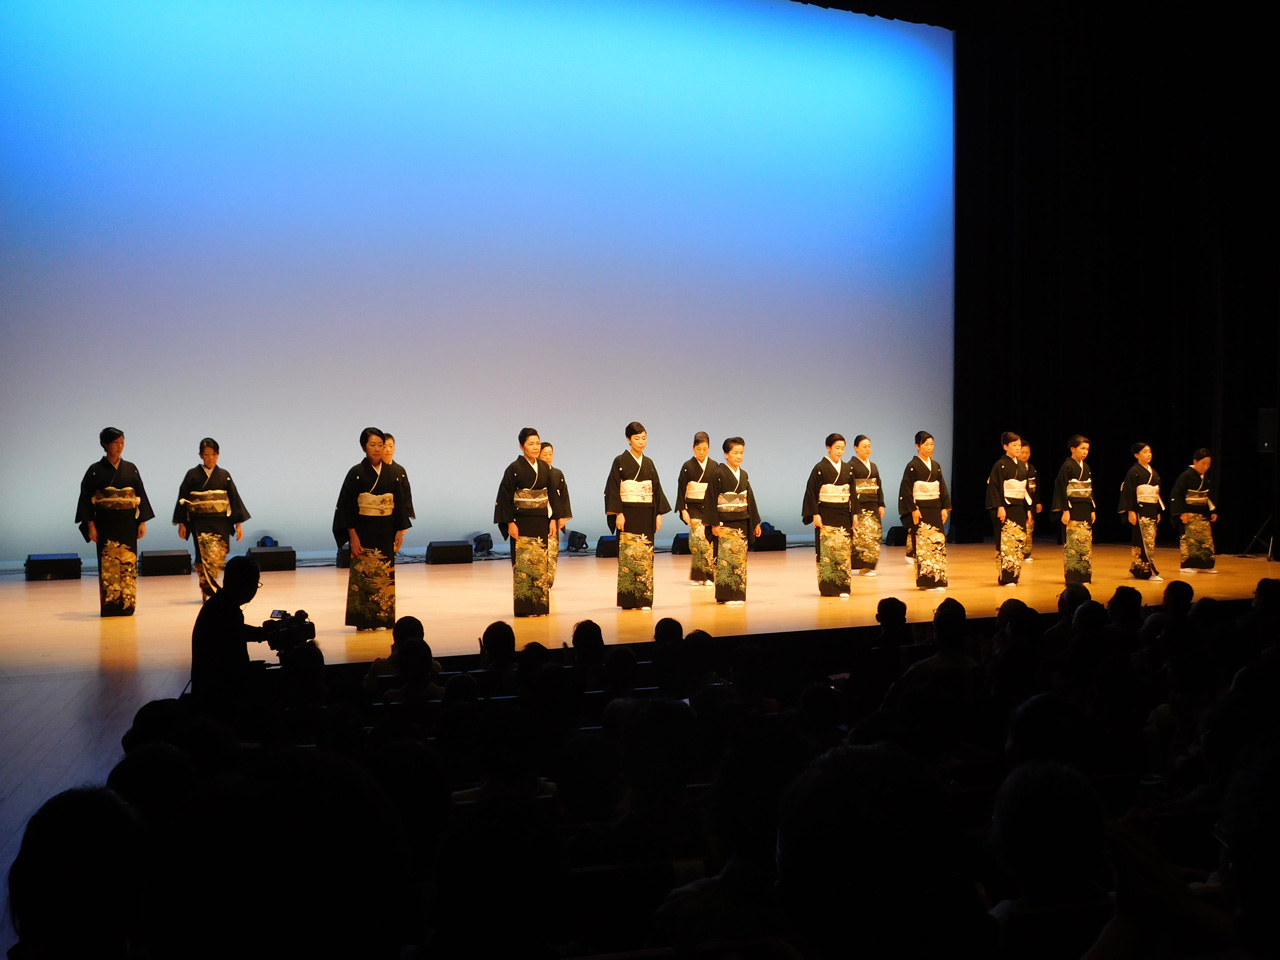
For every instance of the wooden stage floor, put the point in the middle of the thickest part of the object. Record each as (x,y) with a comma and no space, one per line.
(54,627)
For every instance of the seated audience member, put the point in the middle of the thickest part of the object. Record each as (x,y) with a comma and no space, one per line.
(417,672)
(390,666)
(950,632)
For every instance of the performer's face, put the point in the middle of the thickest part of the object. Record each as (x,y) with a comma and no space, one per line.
(374,448)
(638,441)
(547,454)
(1025,454)
(1144,456)
(115,449)
(1013,448)
(1202,465)
(926,448)
(700,450)
(836,450)
(532,447)
(388,450)
(734,456)
(864,448)
(209,457)
(1080,452)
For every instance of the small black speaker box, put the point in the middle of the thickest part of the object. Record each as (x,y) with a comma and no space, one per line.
(607,547)
(274,558)
(53,566)
(164,563)
(449,551)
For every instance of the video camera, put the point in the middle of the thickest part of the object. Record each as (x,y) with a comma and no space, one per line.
(288,630)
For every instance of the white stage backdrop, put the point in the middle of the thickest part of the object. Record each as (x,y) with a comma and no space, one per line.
(276,223)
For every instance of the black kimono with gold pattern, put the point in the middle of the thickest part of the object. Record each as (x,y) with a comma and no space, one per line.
(114,499)
(373,503)
(209,505)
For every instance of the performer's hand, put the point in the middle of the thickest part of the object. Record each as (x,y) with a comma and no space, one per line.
(1039,507)
(854,518)
(1000,514)
(1133,518)
(553,532)
(182,531)
(1093,518)
(715,531)
(817,522)
(684,515)
(563,521)
(93,532)
(513,530)
(757,530)
(399,540)
(239,532)
(356,549)
(657,524)
(1213,518)
(882,513)
(142,530)
(1182,517)
(944,515)
(915,518)
(620,520)
(1066,517)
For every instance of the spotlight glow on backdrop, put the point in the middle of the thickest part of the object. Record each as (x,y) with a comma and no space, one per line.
(275,223)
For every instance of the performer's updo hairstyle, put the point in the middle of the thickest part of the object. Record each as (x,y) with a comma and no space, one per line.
(1009,437)
(547,446)
(209,442)
(1076,440)
(922,436)
(109,435)
(731,443)
(834,438)
(1138,447)
(1199,454)
(634,427)
(701,437)
(526,433)
(859,438)
(368,432)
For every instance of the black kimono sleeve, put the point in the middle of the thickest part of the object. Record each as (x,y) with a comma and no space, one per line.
(944,497)
(560,495)
(811,506)
(906,490)
(995,485)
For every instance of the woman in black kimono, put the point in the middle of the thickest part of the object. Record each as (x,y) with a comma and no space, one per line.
(112,512)
(371,516)
(560,508)
(634,505)
(923,503)
(1073,498)
(731,514)
(208,506)
(868,508)
(1141,503)
(388,458)
(1007,501)
(525,512)
(1033,493)
(690,493)
(1192,504)
(828,505)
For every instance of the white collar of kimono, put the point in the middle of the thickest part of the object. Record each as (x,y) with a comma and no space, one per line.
(377,467)
(865,461)
(208,471)
(927,462)
(737,475)
(835,463)
(639,460)
(533,463)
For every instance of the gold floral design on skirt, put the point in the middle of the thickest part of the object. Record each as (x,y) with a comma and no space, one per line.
(1031,529)
(1197,542)
(1012,537)
(931,555)
(866,540)
(835,559)
(371,590)
(529,574)
(212,554)
(731,560)
(553,554)
(1077,555)
(118,577)
(635,566)
(701,558)
(1143,564)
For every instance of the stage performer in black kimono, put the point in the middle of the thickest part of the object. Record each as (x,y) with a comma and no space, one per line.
(1035,508)
(828,505)
(388,458)
(690,493)
(731,514)
(634,505)
(1073,498)
(525,512)
(208,508)
(1141,503)
(112,512)
(371,516)
(868,507)
(923,504)
(1193,505)
(560,506)
(1007,502)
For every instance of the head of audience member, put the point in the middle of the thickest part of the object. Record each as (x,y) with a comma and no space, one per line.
(498,643)
(1045,727)
(406,627)
(414,656)
(588,642)
(1125,607)
(949,627)
(891,613)
(1051,827)
(1072,595)
(1177,598)
(240,579)
(1090,617)
(1266,596)
(668,630)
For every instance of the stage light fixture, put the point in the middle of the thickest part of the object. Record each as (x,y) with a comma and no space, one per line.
(483,544)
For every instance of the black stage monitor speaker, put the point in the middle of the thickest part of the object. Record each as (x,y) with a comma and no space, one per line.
(164,563)
(274,558)
(607,547)
(53,566)
(449,551)
(769,540)
(680,544)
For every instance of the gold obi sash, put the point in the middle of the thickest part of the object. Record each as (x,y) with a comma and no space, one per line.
(638,491)
(376,505)
(207,501)
(1080,490)
(868,488)
(530,501)
(926,490)
(1199,498)
(1016,490)
(830,493)
(695,490)
(116,498)
(734,504)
